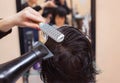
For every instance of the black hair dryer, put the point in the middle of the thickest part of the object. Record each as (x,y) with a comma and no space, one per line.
(11,71)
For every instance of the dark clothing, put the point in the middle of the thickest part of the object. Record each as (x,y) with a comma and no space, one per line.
(2,34)
(37,7)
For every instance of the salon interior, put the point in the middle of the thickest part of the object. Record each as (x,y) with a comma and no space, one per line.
(98,20)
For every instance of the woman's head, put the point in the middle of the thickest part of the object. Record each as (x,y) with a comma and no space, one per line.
(72,61)
(59,16)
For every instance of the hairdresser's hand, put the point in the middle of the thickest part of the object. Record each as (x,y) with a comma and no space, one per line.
(26,18)
(50,4)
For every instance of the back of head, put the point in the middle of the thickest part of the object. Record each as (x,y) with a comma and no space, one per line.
(72,61)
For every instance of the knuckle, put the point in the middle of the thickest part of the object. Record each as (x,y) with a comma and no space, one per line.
(28,8)
(25,14)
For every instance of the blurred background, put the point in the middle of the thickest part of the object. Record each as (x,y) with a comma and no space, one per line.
(107,35)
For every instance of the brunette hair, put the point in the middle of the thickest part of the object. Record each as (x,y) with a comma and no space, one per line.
(73,61)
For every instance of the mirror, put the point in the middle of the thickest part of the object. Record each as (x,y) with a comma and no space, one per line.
(79,13)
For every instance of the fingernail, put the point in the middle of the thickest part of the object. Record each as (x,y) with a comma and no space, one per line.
(38,29)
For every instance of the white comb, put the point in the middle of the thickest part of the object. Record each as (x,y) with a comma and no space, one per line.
(52,32)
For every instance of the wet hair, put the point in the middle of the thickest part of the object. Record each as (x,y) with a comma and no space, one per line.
(73,61)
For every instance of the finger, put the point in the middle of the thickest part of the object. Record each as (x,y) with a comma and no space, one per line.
(37,14)
(34,18)
(34,12)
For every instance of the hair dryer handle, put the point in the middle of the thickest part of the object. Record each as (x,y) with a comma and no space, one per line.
(12,70)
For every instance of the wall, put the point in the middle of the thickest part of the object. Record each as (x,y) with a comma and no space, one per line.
(9,46)
(108,40)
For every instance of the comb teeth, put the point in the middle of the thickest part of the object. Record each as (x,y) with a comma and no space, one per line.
(52,32)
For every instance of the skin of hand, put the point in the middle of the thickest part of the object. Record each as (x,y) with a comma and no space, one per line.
(25,18)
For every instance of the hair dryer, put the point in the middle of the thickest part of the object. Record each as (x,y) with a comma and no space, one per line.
(12,70)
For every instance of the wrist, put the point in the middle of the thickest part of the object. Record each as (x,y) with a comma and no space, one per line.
(6,24)
(13,20)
